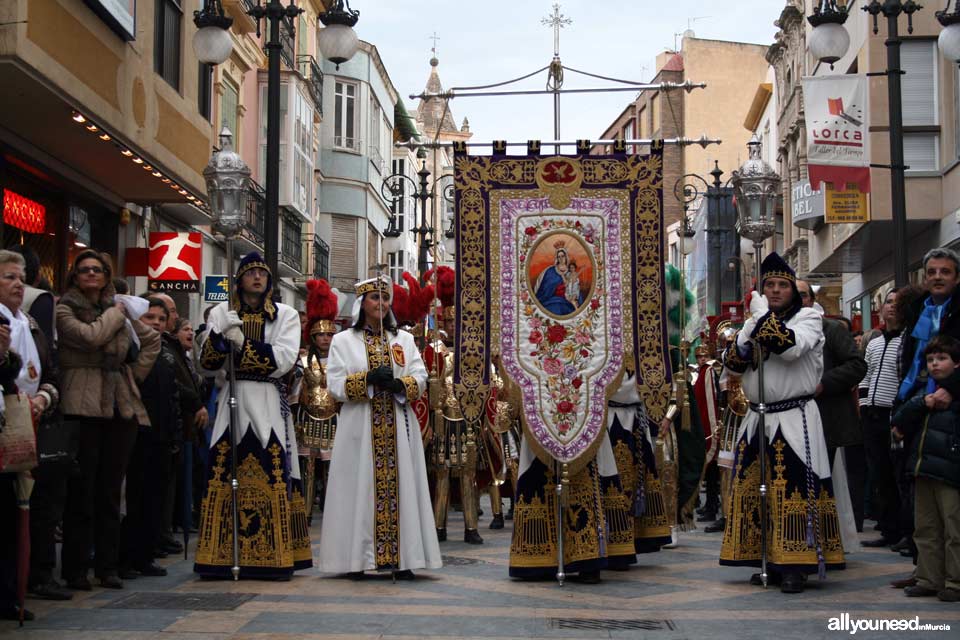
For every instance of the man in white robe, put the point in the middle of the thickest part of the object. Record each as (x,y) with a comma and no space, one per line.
(377,515)
(264,338)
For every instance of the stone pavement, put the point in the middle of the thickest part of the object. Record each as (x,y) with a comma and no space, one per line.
(674,594)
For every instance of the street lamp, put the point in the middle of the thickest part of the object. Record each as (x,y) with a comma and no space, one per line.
(829,45)
(688,190)
(212,42)
(227,177)
(338,42)
(395,185)
(756,187)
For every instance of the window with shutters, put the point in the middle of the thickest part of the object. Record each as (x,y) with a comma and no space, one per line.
(343,250)
(921,130)
(205,90)
(345,116)
(166,41)
(229,104)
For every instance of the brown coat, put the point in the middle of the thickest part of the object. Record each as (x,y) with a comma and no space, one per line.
(95,375)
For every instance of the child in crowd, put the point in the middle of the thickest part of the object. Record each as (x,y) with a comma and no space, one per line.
(934,463)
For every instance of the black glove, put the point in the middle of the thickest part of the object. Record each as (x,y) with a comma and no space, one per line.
(380,376)
(395,386)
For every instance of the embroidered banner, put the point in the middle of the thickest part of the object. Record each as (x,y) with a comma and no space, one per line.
(560,269)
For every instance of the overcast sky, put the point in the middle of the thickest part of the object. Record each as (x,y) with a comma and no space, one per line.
(488,42)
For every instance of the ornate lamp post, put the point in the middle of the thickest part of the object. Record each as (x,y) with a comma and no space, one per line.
(829,42)
(756,186)
(337,42)
(227,177)
(395,186)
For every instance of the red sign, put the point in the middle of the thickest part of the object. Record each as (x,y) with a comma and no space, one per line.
(23,213)
(175,261)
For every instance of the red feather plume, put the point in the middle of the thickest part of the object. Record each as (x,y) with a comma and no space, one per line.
(420,298)
(400,305)
(322,304)
(446,285)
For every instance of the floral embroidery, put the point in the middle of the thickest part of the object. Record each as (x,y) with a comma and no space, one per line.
(356,386)
(773,334)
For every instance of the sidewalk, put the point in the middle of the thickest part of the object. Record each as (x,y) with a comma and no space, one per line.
(674,594)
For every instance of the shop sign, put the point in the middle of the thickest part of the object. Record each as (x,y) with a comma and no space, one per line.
(215,288)
(838,130)
(23,213)
(845,206)
(120,15)
(807,205)
(175,261)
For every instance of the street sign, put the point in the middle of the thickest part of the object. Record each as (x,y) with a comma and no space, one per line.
(215,288)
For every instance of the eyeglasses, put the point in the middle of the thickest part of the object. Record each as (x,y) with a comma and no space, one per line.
(97,270)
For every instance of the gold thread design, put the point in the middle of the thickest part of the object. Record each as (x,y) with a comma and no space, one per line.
(356,386)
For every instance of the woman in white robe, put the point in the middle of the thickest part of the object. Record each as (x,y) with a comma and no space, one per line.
(377,514)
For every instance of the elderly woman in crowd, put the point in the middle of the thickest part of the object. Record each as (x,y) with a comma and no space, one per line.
(103,353)
(27,366)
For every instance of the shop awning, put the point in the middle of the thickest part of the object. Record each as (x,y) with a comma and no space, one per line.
(405,128)
(40,124)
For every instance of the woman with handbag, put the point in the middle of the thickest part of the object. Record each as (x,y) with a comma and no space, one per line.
(103,354)
(37,378)
(25,366)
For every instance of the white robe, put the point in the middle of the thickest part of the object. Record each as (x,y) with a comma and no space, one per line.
(347,534)
(258,403)
(794,373)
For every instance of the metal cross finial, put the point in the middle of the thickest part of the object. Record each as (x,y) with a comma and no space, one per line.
(434,37)
(558,21)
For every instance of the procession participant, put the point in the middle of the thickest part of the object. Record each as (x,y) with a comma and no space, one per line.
(635,511)
(455,449)
(264,337)
(706,392)
(680,445)
(734,404)
(315,410)
(377,509)
(802,524)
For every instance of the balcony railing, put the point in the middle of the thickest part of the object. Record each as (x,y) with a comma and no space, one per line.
(255,224)
(313,76)
(321,258)
(288,43)
(291,253)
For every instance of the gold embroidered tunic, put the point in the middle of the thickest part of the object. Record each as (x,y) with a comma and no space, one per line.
(377,511)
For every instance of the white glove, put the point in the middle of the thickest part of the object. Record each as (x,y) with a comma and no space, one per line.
(758,305)
(233,320)
(234,335)
(744,337)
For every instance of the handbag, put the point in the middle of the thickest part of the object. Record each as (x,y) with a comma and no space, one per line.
(18,442)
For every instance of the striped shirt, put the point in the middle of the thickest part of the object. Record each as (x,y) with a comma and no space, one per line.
(879,387)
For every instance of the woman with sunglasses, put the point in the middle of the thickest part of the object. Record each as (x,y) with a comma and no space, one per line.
(100,364)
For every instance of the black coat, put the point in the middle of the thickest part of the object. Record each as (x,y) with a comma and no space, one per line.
(843,369)
(949,326)
(161,398)
(934,439)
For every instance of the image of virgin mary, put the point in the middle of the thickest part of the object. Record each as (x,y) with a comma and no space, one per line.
(551,289)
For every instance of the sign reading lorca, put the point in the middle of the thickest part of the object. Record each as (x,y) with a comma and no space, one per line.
(175,261)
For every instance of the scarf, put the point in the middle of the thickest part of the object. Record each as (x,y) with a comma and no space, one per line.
(927,326)
(21,343)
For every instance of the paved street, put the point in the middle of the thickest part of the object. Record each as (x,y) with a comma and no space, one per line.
(679,593)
